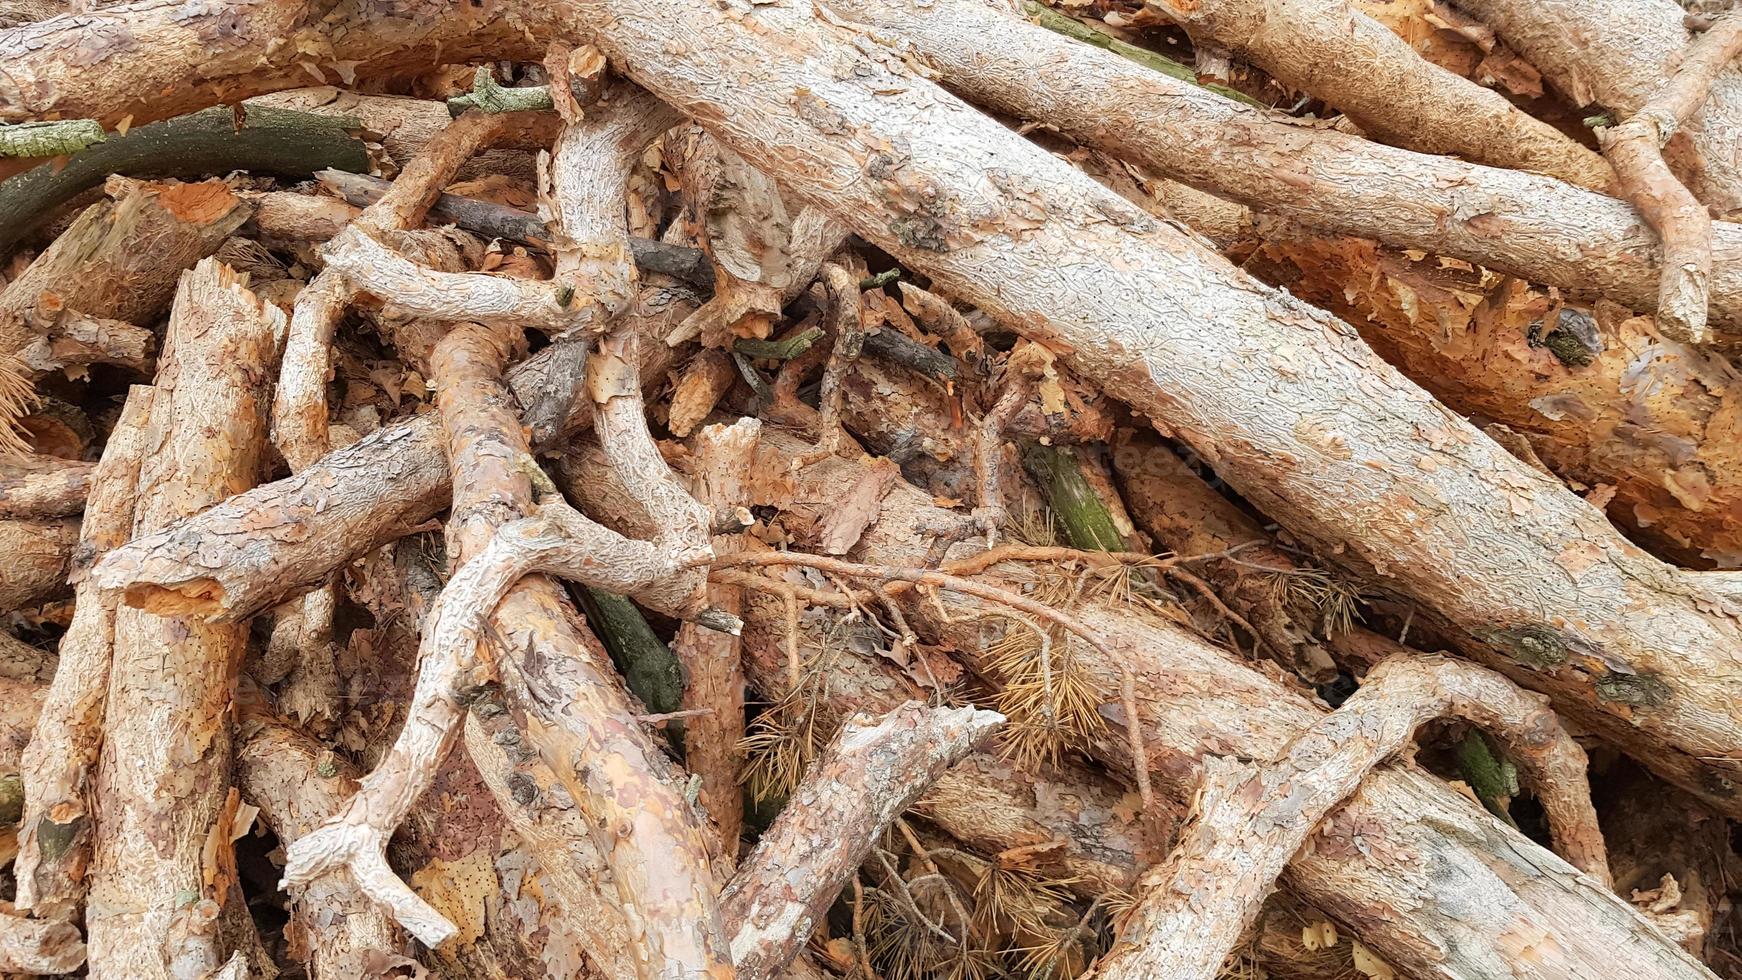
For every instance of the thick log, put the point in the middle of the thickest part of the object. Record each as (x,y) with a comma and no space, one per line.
(40,557)
(77,67)
(163,773)
(1531,226)
(1612,54)
(43,486)
(54,841)
(1629,649)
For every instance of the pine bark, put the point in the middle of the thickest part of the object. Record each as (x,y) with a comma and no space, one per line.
(158,879)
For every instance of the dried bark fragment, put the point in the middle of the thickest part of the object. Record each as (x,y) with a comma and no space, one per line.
(1250,818)
(161,870)
(54,840)
(35,946)
(868,775)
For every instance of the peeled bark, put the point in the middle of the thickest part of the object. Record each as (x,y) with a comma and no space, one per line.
(33,946)
(54,841)
(164,768)
(252,551)
(1613,53)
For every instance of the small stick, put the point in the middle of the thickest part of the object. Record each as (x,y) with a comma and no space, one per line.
(1635,149)
(1251,819)
(847,322)
(869,774)
(490,96)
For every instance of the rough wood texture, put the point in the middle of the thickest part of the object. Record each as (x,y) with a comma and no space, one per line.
(1613,54)
(1531,226)
(1250,818)
(299,409)
(1628,651)
(39,558)
(202,144)
(712,660)
(871,771)
(54,839)
(35,946)
(251,552)
(297,782)
(119,260)
(1684,227)
(43,486)
(157,883)
(1331,49)
(1496,906)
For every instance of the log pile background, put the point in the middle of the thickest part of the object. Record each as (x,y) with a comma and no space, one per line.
(909,489)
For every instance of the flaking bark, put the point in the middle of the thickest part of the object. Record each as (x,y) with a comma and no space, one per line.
(163,772)
(54,840)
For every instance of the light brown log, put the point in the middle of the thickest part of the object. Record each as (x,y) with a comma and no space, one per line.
(870,772)
(1531,226)
(712,660)
(43,486)
(1628,650)
(158,880)
(297,782)
(54,841)
(40,558)
(253,551)
(1250,818)
(1495,905)
(1612,54)
(68,66)
(1331,49)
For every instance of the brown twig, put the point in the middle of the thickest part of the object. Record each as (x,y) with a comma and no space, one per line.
(1635,148)
(916,576)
